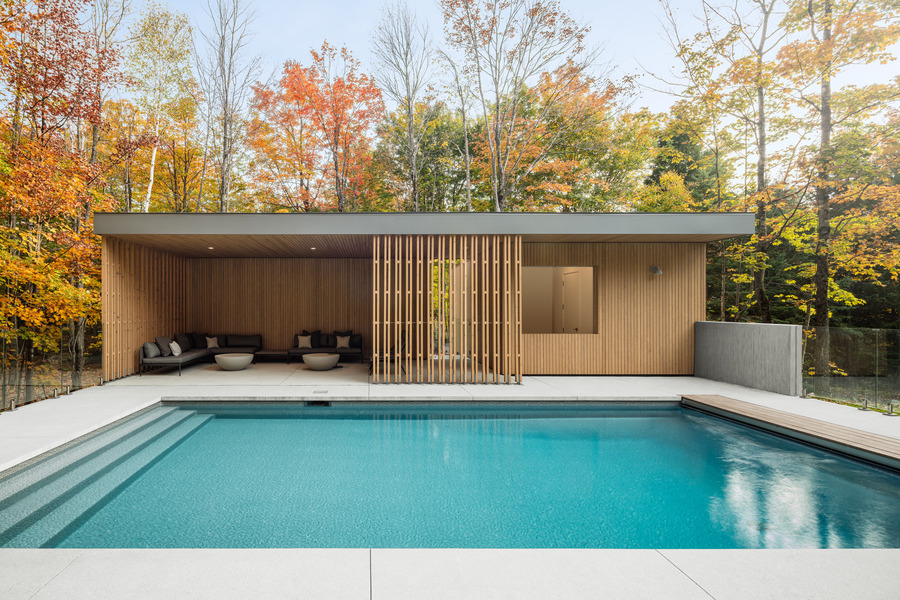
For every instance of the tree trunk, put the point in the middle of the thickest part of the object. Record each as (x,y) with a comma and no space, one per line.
(467,161)
(146,204)
(823,216)
(722,281)
(762,226)
(28,360)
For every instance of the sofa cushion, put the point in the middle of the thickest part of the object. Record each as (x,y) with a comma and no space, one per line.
(212,342)
(198,340)
(343,341)
(356,340)
(176,349)
(344,333)
(304,341)
(163,343)
(233,350)
(343,351)
(151,350)
(184,341)
(186,357)
(245,340)
(327,340)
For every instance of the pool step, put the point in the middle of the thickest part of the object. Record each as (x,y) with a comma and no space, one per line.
(42,515)
(21,483)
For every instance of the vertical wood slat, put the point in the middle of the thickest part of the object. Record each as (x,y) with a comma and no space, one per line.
(376,281)
(427,281)
(409,316)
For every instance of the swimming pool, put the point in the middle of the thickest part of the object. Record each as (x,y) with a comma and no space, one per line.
(471,476)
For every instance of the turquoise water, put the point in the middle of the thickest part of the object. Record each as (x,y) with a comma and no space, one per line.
(497,478)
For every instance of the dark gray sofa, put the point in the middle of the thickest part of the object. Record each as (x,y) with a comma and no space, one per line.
(228,344)
(327,343)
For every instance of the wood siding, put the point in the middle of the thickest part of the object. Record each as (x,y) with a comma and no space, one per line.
(644,323)
(143,296)
(279,297)
(447,309)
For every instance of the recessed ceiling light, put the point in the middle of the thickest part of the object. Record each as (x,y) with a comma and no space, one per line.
(211,248)
(313,248)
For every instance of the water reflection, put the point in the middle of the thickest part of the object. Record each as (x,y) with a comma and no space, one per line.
(781,494)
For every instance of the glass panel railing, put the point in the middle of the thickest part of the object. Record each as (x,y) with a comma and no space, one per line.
(853,366)
(29,374)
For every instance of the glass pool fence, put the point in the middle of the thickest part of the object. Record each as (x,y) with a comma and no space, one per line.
(854,366)
(32,370)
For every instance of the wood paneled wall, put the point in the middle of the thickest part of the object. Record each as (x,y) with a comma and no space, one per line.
(447,309)
(644,322)
(279,297)
(143,296)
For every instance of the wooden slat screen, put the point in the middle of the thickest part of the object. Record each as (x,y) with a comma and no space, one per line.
(142,296)
(447,309)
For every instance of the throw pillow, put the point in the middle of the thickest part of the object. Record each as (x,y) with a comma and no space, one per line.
(348,333)
(343,341)
(163,343)
(356,340)
(304,341)
(314,335)
(212,342)
(176,349)
(184,341)
(198,340)
(151,350)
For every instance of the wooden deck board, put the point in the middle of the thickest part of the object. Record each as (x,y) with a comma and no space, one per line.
(876,447)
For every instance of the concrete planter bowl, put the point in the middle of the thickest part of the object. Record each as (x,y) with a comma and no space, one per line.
(234,362)
(320,361)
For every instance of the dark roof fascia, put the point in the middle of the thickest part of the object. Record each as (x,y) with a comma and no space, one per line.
(723,224)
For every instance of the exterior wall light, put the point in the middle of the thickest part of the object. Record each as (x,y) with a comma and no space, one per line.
(655,270)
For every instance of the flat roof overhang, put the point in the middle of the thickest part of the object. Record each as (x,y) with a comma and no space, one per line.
(349,235)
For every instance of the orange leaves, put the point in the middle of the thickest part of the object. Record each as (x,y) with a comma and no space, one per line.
(344,104)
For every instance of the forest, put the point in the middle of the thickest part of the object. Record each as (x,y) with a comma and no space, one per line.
(114,105)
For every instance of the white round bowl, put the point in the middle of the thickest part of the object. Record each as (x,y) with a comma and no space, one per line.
(233,362)
(321,361)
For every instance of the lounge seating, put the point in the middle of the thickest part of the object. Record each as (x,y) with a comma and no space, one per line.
(328,343)
(193,352)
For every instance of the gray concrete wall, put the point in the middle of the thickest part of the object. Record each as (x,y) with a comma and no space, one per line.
(756,355)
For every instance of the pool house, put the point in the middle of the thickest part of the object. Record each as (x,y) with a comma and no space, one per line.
(436,297)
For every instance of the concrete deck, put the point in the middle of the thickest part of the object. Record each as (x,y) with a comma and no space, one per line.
(387,573)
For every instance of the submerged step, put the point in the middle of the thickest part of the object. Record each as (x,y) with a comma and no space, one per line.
(20,483)
(45,510)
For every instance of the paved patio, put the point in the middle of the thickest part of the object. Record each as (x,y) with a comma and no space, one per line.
(386,573)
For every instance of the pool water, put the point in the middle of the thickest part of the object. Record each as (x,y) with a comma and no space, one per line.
(483,477)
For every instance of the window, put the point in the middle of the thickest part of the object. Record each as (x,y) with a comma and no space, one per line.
(557,300)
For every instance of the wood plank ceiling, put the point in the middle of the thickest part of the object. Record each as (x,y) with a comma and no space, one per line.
(335,246)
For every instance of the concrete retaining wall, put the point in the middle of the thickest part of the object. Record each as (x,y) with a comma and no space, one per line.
(756,355)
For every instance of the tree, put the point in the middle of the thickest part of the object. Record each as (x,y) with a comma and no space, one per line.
(287,148)
(508,46)
(838,35)
(229,75)
(403,52)
(345,105)
(54,73)
(159,63)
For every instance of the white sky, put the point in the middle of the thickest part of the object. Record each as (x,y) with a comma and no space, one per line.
(629,31)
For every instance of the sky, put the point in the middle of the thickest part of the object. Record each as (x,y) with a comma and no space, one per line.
(630,32)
